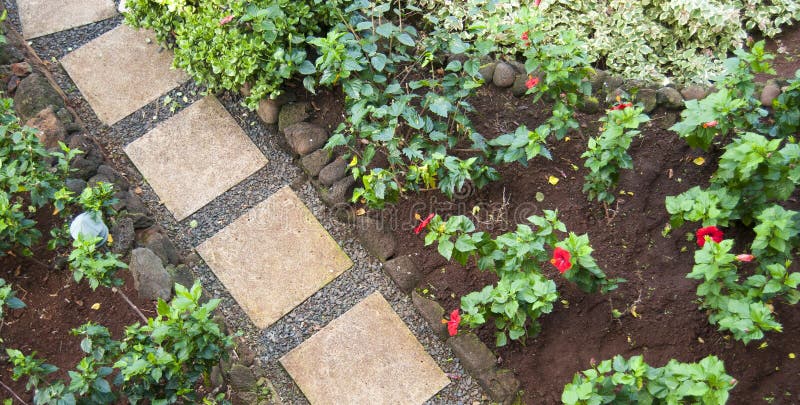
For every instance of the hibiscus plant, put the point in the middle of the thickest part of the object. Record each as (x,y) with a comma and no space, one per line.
(522,292)
(632,381)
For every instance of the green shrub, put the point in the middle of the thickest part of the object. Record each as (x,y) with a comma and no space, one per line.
(159,363)
(682,39)
(29,180)
(262,45)
(632,381)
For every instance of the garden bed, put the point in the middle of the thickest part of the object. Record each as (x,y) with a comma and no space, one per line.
(660,316)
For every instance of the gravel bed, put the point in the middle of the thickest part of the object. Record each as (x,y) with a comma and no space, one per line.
(332,301)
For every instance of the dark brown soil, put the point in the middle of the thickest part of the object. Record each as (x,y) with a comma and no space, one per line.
(55,305)
(631,245)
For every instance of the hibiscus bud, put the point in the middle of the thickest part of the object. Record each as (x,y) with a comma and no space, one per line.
(744,257)
(710,124)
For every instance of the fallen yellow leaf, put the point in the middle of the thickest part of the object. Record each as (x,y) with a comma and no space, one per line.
(553,180)
(96,306)
(763,345)
(56,211)
(792,355)
(417,216)
(699,161)
(360,212)
(354,161)
(110,239)
(633,312)
(566,139)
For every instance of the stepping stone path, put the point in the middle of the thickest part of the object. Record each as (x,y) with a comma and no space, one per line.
(366,356)
(122,71)
(280,247)
(274,256)
(202,152)
(42,17)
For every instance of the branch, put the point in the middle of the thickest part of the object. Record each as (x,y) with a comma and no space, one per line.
(13,393)
(132,305)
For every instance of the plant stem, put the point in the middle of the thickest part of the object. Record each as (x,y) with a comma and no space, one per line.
(13,393)
(132,305)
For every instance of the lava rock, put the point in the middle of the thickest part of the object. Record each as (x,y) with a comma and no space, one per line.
(333,172)
(487,71)
(314,162)
(21,69)
(432,312)
(669,98)
(404,272)
(694,92)
(474,355)
(648,99)
(124,236)
(75,185)
(375,238)
(520,86)
(597,78)
(9,54)
(161,246)
(85,166)
(241,378)
(501,385)
(291,114)
(34,93)
(305,137)
(140,220)
(504,75)
(268,110)
(150,278)
(770,93)
(182,275)
(120,182)
(99,178)
(51,129)
(590,105)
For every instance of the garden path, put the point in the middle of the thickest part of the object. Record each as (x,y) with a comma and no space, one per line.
(274,256)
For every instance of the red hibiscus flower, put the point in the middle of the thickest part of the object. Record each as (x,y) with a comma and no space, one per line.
(532,82)
(226,19)
(537,2)
(452,324)
(423,224)
(712,232)
(710,124)
(621,106)
(744,257)
(561,259)
(524,36)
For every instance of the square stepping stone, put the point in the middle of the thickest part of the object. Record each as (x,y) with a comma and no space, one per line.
(274,257)
(366,356)
(195,156)
(121,71)
(42,17)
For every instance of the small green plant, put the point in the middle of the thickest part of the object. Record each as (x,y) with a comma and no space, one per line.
(738,308)
(786,110)
(607,154)
(8,298)
(160,362)
(28,181)
(522,293)
(98,268)
(633,381)
(515,299)
(733,107)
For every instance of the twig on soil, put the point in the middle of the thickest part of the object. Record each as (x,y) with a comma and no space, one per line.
(132,305)
(31,258)
(13,393)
